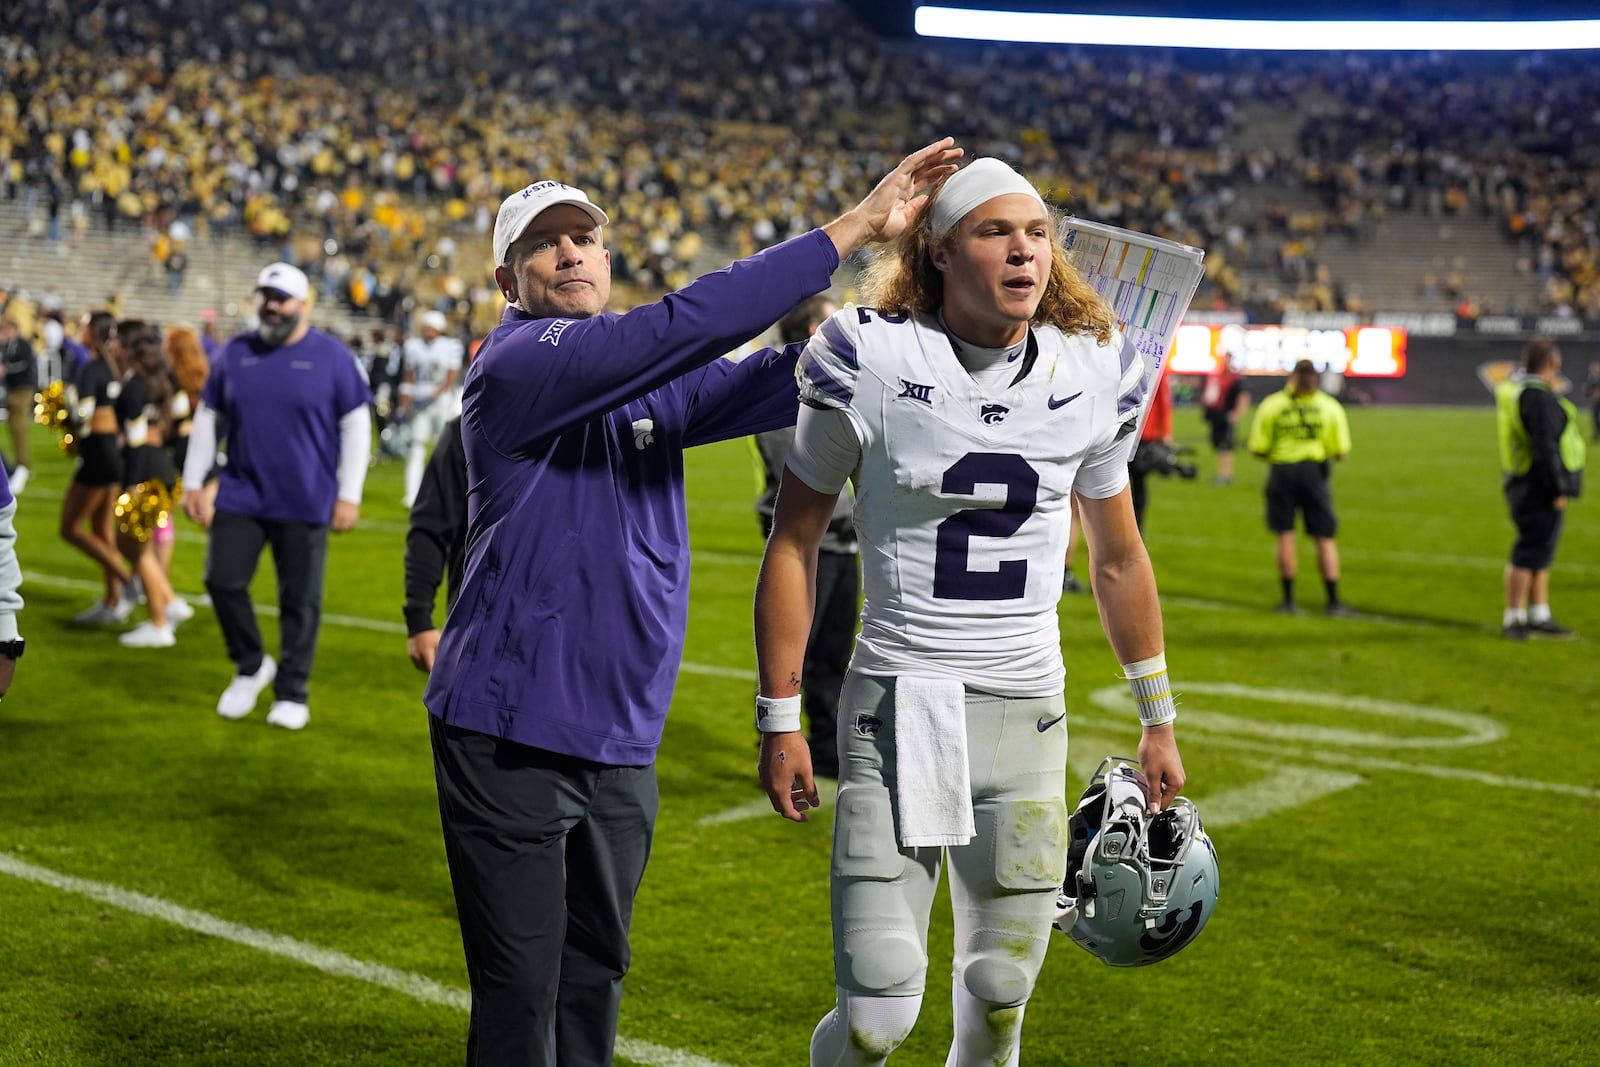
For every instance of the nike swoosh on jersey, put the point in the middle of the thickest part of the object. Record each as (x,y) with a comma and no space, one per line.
(1053,403)
(1043,725)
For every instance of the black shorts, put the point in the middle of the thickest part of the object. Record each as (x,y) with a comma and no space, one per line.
(99,460)
(144,463)
(1221,430)
(1300,487)
(1538,526)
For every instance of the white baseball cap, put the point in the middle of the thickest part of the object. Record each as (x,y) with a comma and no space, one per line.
(285,278)
(433,320)
(525,205)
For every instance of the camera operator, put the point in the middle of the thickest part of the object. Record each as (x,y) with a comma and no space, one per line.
(1156,453)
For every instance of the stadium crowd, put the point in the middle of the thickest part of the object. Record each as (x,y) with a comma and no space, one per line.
(375,165)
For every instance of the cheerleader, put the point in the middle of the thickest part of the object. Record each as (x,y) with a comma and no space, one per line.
(146,408)
(87,522)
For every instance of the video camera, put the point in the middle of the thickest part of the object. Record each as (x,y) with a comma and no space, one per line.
(1157,457)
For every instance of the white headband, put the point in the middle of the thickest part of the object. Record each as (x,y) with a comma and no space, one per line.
(978,182)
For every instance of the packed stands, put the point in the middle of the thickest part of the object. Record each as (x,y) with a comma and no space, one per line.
(371,143)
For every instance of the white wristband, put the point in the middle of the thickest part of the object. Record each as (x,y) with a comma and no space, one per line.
(778,715)
(1152,690)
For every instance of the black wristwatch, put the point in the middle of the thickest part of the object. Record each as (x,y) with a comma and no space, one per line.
(11,649)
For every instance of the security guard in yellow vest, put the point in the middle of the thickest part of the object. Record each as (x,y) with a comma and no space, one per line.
(1300,431)
(1542,456)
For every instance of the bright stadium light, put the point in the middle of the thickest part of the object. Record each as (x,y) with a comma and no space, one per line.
(1307,35)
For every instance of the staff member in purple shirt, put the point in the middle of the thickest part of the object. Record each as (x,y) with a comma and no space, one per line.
(292,404)
(557,662)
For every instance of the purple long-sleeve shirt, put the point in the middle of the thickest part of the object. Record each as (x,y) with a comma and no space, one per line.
(569,627)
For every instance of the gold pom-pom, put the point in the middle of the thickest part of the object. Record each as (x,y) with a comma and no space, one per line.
(50,409)
(143,508)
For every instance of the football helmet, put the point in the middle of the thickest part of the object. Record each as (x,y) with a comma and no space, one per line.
(1138,887)
(395,440)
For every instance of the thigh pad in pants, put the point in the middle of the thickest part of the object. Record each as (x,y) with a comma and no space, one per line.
(881,898)
(1004,885)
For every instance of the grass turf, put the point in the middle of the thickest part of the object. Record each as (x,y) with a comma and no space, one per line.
(1387,896)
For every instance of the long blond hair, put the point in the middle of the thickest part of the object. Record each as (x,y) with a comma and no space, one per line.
(903,278)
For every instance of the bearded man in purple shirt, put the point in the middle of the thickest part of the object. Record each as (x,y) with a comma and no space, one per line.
(291,403)
(557,662)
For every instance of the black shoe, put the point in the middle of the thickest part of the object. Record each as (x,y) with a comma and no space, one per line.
(1069,583)
(1287,608)
(1549,628)
(1514,631)
(1340,610)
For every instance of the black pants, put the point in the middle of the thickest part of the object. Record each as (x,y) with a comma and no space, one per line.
(833,631)
(299,554)
(546,854)
(1301,488)
(1538,523)
(1140,494)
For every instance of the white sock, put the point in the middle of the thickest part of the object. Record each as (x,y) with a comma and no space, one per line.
(1514,617)
(862,1030)
(1538,613)
(987,1035)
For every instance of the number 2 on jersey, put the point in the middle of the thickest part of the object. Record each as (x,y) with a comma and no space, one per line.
(951,578)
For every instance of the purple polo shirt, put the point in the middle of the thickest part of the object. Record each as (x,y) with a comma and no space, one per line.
(569,627)
(279,411)
(74,357)
(5,487)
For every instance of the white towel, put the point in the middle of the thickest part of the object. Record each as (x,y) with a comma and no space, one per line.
(934,788)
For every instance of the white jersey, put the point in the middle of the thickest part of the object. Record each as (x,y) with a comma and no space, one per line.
(429,362)
(962,493)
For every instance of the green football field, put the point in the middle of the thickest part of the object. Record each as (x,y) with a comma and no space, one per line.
(1403,805)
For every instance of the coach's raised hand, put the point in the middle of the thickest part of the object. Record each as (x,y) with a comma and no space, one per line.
(890,208)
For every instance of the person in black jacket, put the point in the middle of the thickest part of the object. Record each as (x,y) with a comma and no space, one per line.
(1542,457)
(436,543)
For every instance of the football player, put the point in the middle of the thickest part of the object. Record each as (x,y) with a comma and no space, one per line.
(431,393)
(981,385)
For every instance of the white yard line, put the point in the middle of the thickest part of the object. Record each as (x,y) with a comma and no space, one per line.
(415,986)
(742,674)
(1280,752)
(1284,787)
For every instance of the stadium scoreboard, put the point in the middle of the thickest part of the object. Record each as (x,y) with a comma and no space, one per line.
(1354,351)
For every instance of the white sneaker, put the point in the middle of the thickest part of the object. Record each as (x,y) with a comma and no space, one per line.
(100,613)
(408,501)
(179,611)
(124,605)
(239,699)
(19,479)
(148,635)
(289,714)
